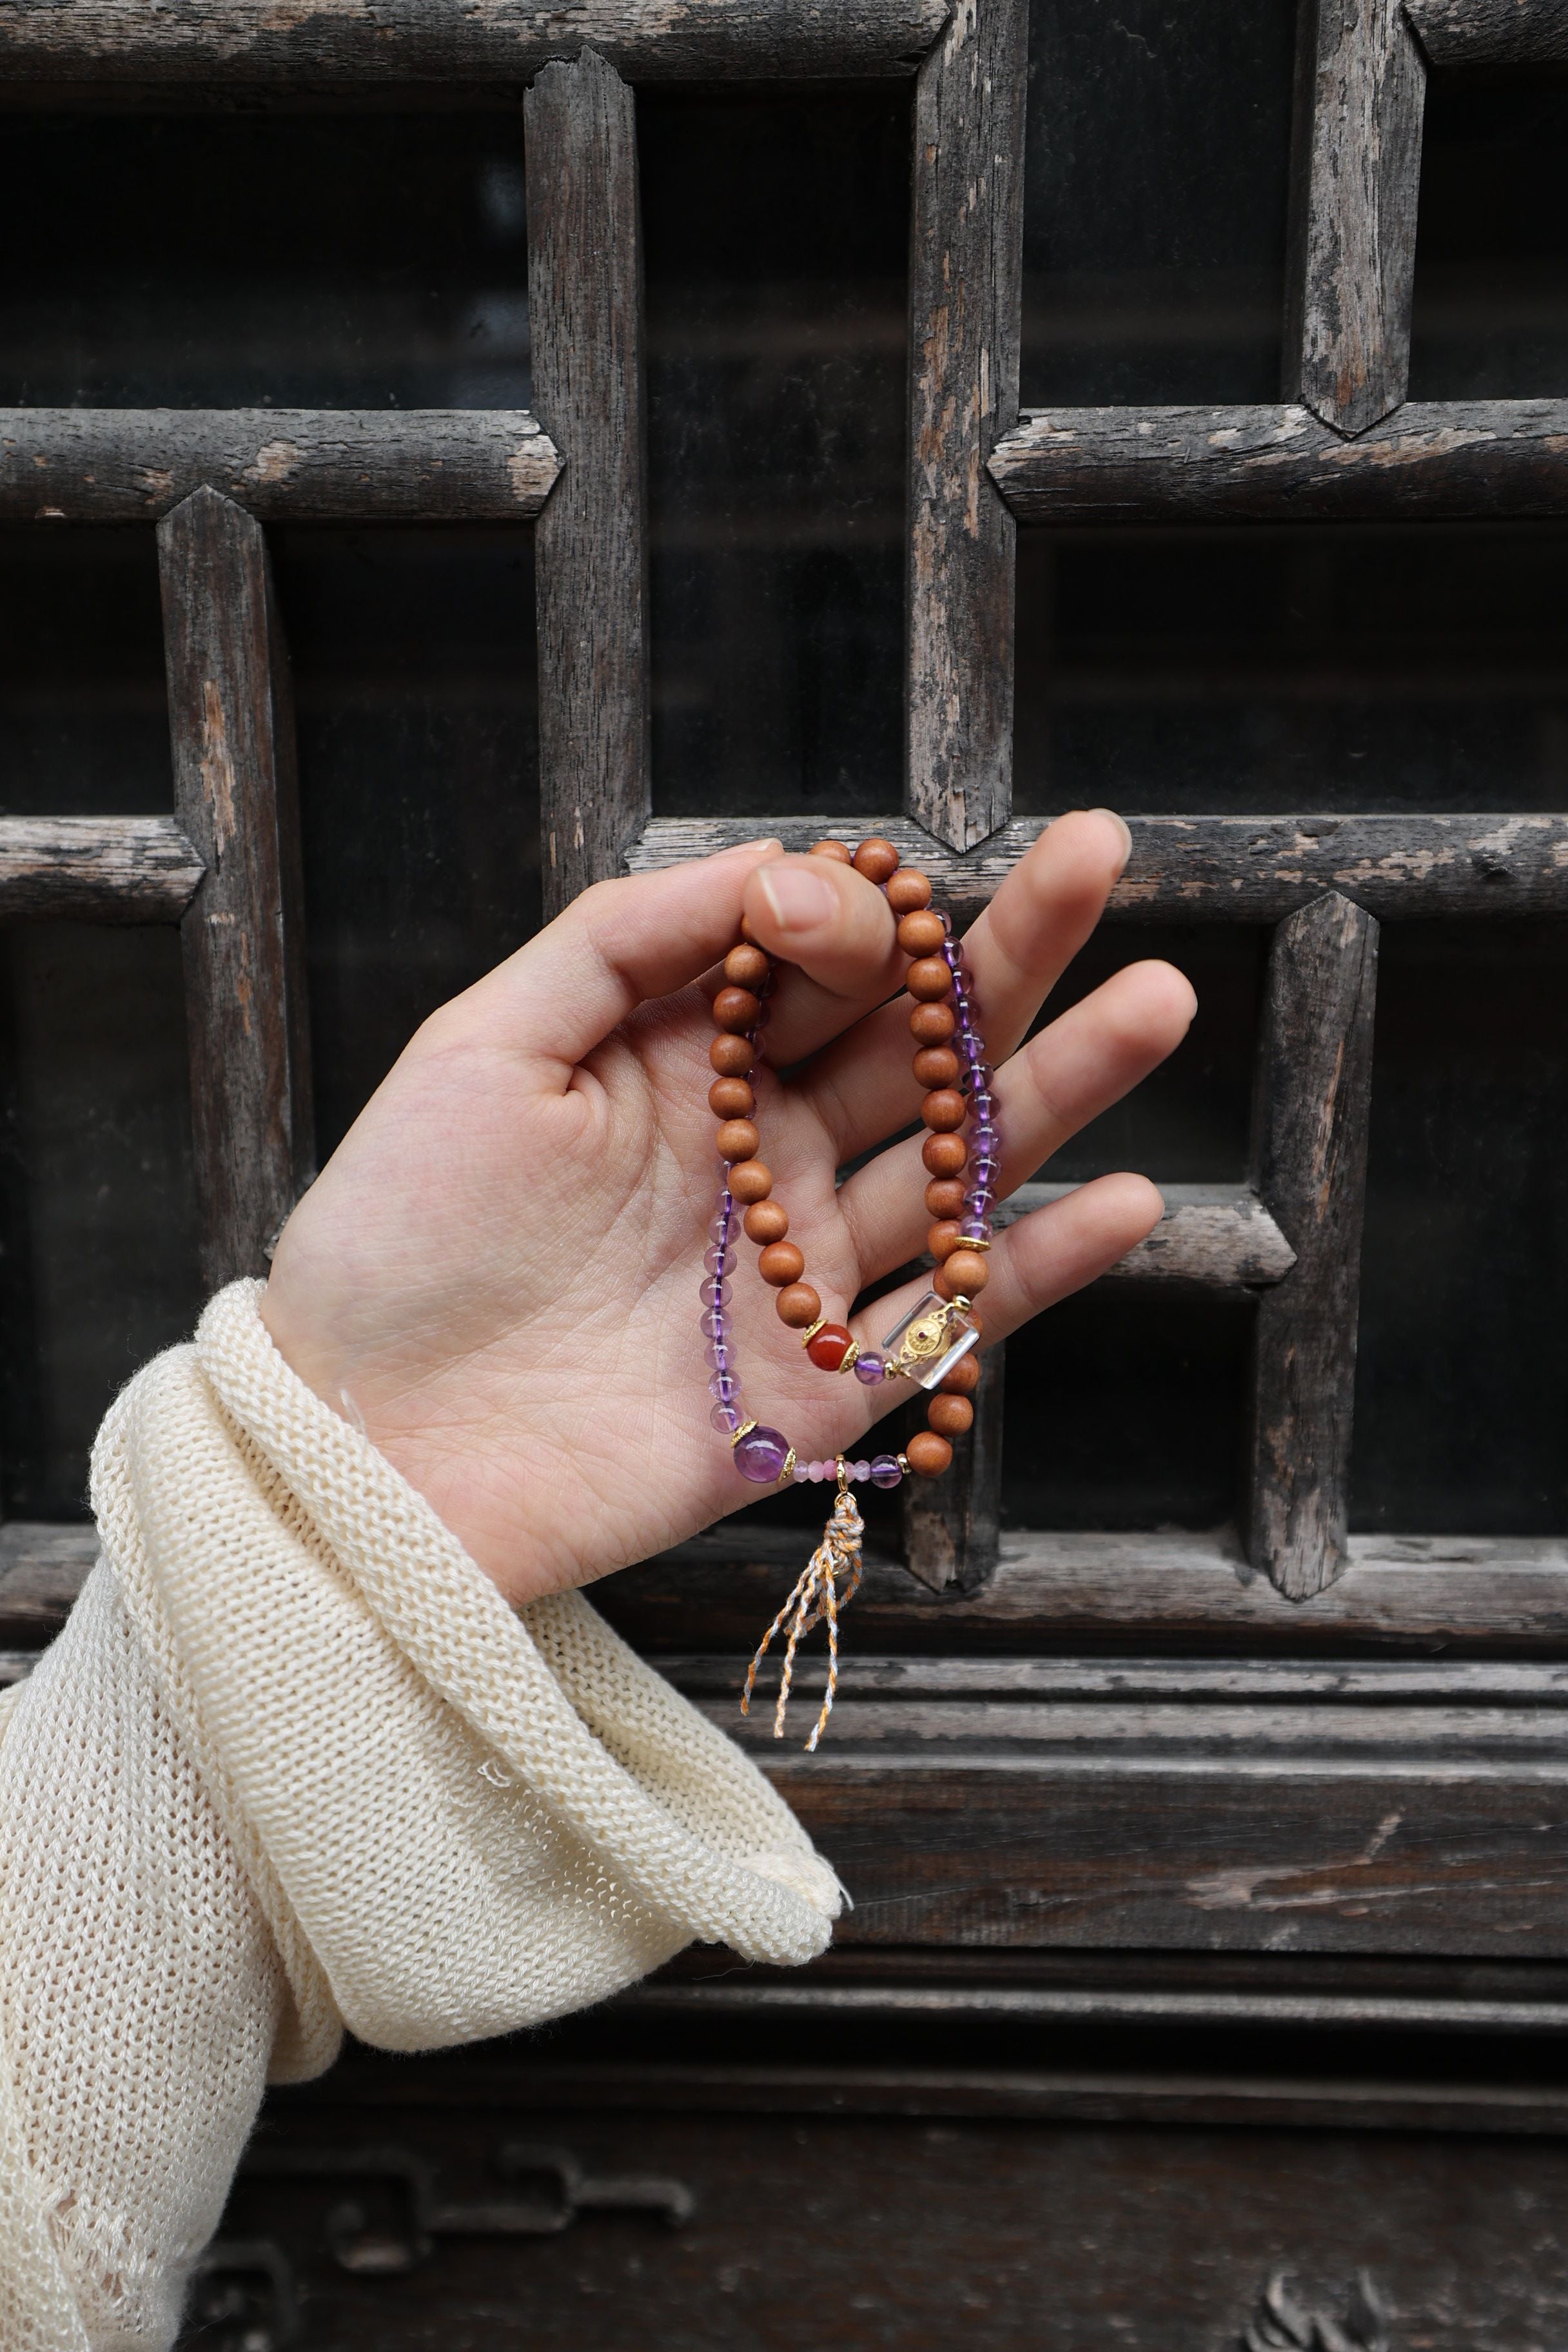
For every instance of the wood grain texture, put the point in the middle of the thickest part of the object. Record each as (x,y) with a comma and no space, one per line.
(95,869)
(584,287)
(965,297)
(1355,177)
(303,465)
(232,724)
(1219,1235)
(413,41)
(1312,1112)
(1491,32)
(1434,461)
(1206,869)
(1457,1597)
(953,1524)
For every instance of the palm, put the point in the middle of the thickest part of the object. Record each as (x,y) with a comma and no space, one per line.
(499,1270)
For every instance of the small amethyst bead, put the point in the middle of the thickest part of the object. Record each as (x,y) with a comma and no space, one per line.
(714,1323)
(760,1454)
(869,1368)
(885,1471)
(726,1417)
(714,1290)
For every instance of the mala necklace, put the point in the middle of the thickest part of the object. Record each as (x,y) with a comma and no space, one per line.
(932,1344)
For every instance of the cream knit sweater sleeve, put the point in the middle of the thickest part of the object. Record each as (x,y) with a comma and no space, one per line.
(292,1766)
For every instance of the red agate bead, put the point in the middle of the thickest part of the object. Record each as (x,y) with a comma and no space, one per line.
(828,1346)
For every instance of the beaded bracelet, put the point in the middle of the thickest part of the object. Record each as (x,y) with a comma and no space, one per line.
(932,1344)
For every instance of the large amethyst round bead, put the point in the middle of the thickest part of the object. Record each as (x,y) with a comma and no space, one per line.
(761,1455)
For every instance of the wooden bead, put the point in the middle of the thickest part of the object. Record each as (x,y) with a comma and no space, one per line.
(738,1140)
(765,1221)
(732,1057)
(945,1155)
(928,1455)
(922,934)
(829,1348)
(751,1180)
(964,1377)
(944,1111)
(749,935)
(949,1416)
(747,967)
(932,1024)
(936,1066)
(929,979)
(736,1009)
(945,1197)
(877,859)
(967,1271)
(799,1306)
(780,1264)
(909,890)
(942,1239)
(730,1099)
(838,850)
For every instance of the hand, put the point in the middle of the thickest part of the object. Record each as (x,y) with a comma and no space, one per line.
(497,1271)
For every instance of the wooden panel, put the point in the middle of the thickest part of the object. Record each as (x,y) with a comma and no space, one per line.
(1433,461)
(107,41)
(95,869)
(1456,1595)
(1311,1118)
(1491,32)
(953,1524)
(965,297)
(585,288)
(1208,870)
(917,2206)
(232,722)
(308,465)
(1356,179)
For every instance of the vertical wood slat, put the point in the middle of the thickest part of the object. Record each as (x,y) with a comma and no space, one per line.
(1361,89)
(1309,1142)
(585,293)
(966,306)
(231,727)
(953,1524)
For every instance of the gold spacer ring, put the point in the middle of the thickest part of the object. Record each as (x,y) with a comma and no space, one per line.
(811,1330)
(851,1356)
(744,1430)
(786,1476)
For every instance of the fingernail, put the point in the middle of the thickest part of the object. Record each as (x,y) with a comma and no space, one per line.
(749,848)
(798,900)
(1122,828)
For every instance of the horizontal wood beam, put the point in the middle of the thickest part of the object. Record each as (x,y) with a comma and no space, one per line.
(296,465)
(1491,32)
(412,41)
(1208,869)
(1217,1234)
(96,869)
(1446,1596)
(1431,461)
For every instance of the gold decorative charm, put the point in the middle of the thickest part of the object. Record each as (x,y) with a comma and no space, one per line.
(817,1594)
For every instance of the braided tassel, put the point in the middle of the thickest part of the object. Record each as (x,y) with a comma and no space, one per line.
(816,1595)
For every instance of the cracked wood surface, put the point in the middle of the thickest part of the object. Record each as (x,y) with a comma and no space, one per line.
(1491,32)
(96,869)
(966,301)
(586,305)
(1206,870)
(1311,1111)
(302,465)
(272,42)
(231,721)
(1434,461)
(1361,88)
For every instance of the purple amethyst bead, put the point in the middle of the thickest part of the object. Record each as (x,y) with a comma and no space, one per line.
(718,1355)
(714,1323)
(860,1472)
(870,1368)
(725,1387)
(986,1170)
(718,1258)
(727,1417)
(760,1454)
(714,1290)
(885,1471)
(974,1229)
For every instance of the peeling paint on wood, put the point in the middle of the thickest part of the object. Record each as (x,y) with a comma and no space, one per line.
(310,42)
(1434,461)
(132,465)
(1208,870)
(96,869)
